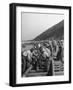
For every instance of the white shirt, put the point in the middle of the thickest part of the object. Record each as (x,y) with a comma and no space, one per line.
(47,52)
(28,53)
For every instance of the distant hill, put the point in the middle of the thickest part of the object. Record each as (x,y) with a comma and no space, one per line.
(56,32)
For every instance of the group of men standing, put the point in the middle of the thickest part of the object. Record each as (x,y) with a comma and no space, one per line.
(41,56)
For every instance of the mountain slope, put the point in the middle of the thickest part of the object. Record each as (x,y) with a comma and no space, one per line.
(56,32)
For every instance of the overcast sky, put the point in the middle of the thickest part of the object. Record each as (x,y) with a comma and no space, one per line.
(34,24)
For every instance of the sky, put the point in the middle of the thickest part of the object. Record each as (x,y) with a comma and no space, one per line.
(33,24)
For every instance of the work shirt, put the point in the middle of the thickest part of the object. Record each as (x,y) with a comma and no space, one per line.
(46,52)
(28,54)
